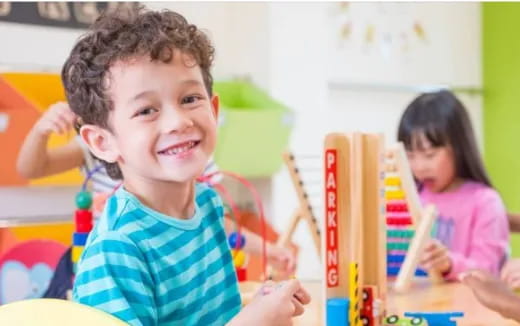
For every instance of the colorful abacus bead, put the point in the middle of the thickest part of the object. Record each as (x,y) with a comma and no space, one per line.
(234,238)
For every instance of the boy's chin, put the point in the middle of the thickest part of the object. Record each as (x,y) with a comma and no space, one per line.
(182,177)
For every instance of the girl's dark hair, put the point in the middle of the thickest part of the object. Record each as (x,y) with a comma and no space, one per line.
(443,120)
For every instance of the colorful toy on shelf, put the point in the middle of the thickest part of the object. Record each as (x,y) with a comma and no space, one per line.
(83,221)
(437,318)
(354,237)
(395,320)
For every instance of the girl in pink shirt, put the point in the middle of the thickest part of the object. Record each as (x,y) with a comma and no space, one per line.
(472,227)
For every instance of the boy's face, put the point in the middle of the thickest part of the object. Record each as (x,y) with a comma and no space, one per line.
(434,167)
(163,122)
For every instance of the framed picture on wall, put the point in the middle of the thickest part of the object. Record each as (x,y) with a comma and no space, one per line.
(58,14)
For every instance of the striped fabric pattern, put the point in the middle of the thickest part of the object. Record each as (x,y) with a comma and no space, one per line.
(150,269)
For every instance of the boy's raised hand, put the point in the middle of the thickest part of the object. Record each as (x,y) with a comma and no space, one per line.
(59,119)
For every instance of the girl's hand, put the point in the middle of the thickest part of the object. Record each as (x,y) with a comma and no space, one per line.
(57,119)
(436,257)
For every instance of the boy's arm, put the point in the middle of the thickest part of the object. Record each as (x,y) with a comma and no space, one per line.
(35,160)
(489,240)
(113,277)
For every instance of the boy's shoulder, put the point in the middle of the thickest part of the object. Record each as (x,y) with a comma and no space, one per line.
(125,214)
(204,193)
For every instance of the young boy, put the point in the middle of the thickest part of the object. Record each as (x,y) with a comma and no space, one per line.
(140,82)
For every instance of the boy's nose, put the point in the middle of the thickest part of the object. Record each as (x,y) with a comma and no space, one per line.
(175,120)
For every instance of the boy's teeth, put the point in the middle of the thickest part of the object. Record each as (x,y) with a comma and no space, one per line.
(180,149)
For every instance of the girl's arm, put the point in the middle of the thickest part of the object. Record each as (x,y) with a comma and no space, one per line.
(514,222)
(35,160)
(489,238)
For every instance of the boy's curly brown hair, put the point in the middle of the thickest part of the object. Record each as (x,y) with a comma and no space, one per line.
(120,35)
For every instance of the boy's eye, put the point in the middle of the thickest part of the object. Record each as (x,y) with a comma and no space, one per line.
(145,111)
(191,99)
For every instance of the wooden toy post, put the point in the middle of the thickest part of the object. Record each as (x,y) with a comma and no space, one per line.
(354,228)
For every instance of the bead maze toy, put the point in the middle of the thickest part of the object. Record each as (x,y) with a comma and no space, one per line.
(354,230)
(405,216)
(237,240)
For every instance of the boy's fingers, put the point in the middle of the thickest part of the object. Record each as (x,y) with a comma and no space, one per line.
(298,307)
(303,296)
(290,287)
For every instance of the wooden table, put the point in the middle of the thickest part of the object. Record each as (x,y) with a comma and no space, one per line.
(423,298)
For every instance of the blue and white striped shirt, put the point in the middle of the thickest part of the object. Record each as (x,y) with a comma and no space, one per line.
(147,268)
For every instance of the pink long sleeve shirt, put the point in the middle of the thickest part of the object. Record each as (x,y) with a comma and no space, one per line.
(473,224)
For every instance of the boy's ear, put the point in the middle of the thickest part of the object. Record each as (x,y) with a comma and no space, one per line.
(215,102)
(100,142)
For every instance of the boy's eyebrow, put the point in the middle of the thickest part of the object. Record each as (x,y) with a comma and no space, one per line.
(140,95)
(187,82)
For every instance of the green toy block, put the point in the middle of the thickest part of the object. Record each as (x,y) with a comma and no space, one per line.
(254,130)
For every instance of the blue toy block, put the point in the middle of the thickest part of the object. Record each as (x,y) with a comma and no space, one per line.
(437,318)
(79,238)
(337,312)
